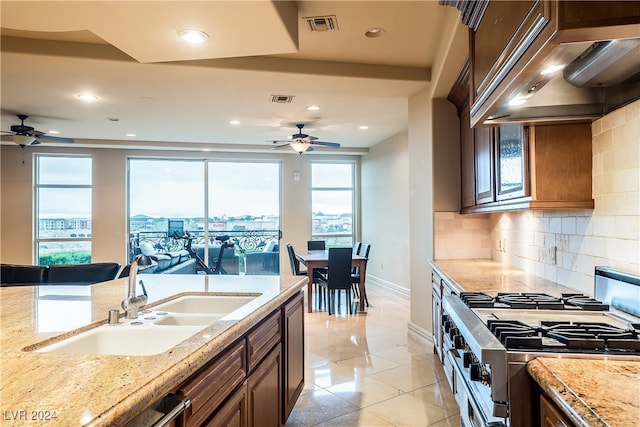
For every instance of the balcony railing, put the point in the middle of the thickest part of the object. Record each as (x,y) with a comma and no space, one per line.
(245,240)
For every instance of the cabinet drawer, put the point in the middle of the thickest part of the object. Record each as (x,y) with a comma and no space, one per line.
(262,339)
(208,388)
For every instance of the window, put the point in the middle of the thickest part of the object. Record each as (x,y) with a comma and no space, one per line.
(240,199)
(63,209)
(332,202)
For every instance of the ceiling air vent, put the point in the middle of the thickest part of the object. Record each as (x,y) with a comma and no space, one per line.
(281,99)
(322,23)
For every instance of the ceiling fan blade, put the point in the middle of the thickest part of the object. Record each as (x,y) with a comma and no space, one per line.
(280,146)
(56,138)
(277,141)
(326,144)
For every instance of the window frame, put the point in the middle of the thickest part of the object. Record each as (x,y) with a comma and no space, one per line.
(354,197)
(37,240)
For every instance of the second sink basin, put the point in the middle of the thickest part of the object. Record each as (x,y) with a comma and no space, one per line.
(206,304)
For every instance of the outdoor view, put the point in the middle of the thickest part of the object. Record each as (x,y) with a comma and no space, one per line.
(240,199)
(63,206)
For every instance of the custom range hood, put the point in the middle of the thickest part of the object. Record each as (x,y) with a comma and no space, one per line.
(582,80)
(550,60)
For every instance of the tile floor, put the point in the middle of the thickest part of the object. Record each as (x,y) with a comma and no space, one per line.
(363,371)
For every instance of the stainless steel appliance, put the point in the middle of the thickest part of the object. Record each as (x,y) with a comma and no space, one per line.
(488,340)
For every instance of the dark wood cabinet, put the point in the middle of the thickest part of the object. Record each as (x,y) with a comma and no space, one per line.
(293,353)
(257,380)
(550,415)
(485,174)
(468,160)
(264,395)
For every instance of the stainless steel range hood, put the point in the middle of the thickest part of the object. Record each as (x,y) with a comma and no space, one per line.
(597,78)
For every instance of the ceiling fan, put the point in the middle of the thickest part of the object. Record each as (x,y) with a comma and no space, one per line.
(24,135)
(301,142)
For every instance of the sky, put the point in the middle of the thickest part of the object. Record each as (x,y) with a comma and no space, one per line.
(175,188)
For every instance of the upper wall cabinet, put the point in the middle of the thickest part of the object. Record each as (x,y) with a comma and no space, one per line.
(518,166)
(549,60)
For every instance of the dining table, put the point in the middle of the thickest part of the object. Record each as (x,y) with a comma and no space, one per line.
(318,259)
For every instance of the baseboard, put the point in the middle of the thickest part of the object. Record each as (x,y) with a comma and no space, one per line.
(420,336)
(390,287)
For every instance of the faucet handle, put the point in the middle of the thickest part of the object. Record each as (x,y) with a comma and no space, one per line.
(144,290)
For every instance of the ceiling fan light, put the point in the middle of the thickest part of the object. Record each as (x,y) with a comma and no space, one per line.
(23,139)
(300,147)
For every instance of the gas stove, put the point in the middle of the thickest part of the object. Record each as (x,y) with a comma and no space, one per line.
(530,301)
(491,338)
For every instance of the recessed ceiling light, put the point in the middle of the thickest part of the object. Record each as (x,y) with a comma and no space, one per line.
(194,36)
(234,122)
(87,97)
(363,127)
(373,33)
(131,134)
(313,108)
(53,132)
(552,69)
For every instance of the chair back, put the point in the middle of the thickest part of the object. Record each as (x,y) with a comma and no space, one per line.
(339,270)
(316,245)
(293,261)
(356,248)
(83,273)
(364,250)
(28,274)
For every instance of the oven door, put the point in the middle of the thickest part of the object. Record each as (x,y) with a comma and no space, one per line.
(471,410)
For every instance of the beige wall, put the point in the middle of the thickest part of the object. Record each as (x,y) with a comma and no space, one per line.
(385,212)
(609,235)
(109,198)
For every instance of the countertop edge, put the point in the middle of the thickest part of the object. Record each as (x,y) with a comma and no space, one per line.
(134,403)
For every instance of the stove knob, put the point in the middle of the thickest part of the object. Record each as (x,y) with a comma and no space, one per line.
(447,326)
(466,359)
(458,342)
(476,374)
(453,332)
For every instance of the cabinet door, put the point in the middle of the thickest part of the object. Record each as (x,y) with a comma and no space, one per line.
(293,353)
(233,413)
(550,416)
(468,169)
(264,392)
(511,162)
(437,324)
(485,192)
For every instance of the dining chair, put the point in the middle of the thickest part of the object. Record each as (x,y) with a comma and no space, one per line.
(295,266)
(316,245)
(356,248)
(338,277)
(355,275)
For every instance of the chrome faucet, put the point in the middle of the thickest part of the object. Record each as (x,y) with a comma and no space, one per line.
(133,303)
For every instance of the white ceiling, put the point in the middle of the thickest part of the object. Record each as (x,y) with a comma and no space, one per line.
(176,96)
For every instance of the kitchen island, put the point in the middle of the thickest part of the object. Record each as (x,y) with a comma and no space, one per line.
(587,391)
(108,390)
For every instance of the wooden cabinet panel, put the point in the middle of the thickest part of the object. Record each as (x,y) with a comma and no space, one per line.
(467,167)
(293,353)
(233,413)
(262,339)
(562,165)
(208,388)
(550,416)
(485,192)
(264,392)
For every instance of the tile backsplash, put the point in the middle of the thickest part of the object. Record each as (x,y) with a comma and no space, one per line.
(565,246)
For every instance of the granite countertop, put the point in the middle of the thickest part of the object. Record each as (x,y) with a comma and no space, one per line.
(103,390)
(591,392)
(483,275)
